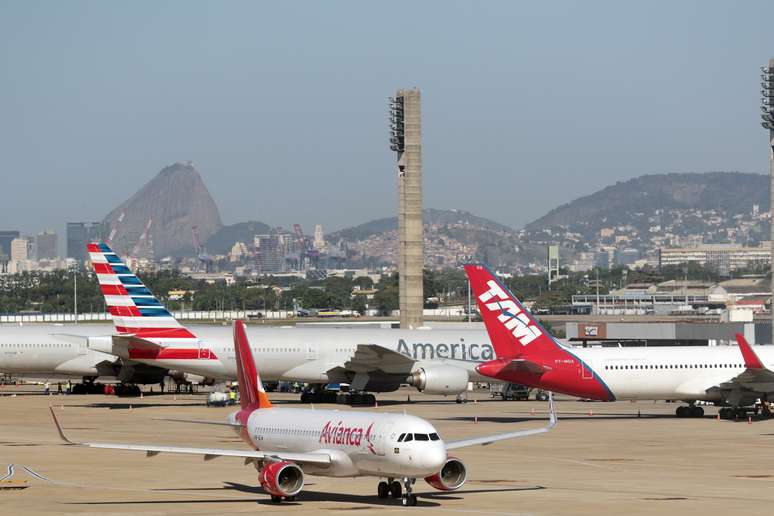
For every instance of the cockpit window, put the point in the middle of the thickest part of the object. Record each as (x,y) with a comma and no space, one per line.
(409,437)
(421,437)
(434,437)
(400,439)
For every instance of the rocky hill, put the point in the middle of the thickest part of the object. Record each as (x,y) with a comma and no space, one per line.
(173,202)
(452,237)
(634,201)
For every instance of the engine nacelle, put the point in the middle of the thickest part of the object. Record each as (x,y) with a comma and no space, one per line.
(183,378)
(440,379)
(452,475)
(282,478)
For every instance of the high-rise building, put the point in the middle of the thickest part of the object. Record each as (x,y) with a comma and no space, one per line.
(5,242)
(46,245)
(269,254)
(319,238)
(78,235)
(19,251)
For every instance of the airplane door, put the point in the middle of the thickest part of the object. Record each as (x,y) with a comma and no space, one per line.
(83,345)
(311,351)
(586,372)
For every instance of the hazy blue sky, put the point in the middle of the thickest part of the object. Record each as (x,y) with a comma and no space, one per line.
(282,105)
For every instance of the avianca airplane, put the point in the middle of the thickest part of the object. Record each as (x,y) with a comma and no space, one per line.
(288,443)
(373,360)
(529,355)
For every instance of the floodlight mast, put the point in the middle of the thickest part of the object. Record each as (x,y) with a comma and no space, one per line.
(406,142)
(767,121)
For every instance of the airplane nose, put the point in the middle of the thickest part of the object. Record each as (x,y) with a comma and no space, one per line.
(435,458)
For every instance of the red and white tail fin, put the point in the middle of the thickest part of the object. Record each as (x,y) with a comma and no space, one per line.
(511,328)
(135,310)
(251,393)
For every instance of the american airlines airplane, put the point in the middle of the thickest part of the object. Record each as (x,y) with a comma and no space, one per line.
(287,444)
(62,352)
(529,355)
(373,360)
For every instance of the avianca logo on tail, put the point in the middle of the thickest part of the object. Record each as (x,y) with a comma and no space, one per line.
(514,319)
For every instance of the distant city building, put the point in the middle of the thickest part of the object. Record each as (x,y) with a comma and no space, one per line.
(78,235)
(269,254)
(723,257)
(46,245)
(5,242)
(319,238)
(19,250)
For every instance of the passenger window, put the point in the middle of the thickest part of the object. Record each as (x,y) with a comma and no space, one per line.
(421,437)
(434,437)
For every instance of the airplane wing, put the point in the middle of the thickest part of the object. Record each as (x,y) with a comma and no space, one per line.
(207,453)
(372,357)
(510,435)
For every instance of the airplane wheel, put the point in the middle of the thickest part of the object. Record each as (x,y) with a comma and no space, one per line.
(697,411)
(409,500)
(276,499)
(681,411)
(396,489)
(383,490)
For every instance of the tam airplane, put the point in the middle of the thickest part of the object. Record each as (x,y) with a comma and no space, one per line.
(529,355)
(287,443)
(372,360)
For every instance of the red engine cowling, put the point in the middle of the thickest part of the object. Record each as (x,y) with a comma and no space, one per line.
(282,478)
(452,475)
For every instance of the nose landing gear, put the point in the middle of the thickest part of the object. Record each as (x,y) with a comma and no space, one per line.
(409,499)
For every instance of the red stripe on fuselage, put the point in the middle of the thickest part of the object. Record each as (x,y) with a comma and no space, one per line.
(172,354)
(159,333)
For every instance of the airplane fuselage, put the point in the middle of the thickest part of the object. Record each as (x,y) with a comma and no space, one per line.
(358,443)
(643,373)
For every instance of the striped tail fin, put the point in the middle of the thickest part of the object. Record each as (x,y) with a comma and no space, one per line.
(251,393)
(135,310)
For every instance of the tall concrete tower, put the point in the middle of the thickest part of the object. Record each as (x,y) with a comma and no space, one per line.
(406,141)
(767,120)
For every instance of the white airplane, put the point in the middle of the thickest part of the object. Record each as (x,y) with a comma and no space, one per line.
(55,352)
(373,360)
(288,443)
(529,355)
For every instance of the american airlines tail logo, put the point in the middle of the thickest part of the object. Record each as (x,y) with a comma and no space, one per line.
(514,319)
(347,435)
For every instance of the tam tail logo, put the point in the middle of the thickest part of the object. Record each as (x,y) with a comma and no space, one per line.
(512,317)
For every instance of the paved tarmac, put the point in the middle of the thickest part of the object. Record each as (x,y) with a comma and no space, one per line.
(610,462)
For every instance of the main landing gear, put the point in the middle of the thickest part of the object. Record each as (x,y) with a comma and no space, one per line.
(689,411)
(392,489)
(737,413)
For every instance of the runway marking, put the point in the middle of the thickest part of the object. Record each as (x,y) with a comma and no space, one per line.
(9,473)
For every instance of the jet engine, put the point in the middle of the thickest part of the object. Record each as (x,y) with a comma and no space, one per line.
(183,378)
(439,379)
(282,478)
(452,475)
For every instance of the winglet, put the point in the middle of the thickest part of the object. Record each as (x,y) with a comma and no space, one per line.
(751,360)
(59,427)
